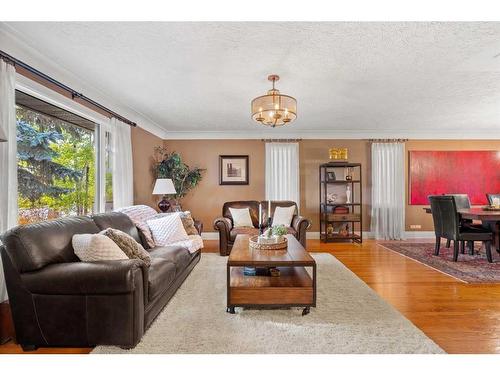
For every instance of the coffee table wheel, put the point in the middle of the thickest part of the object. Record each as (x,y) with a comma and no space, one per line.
(230,310)
(306,310)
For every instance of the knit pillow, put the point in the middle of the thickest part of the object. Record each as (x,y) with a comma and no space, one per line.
(186,218)
(128,245)
(95,247)
(167,230)
(139,214)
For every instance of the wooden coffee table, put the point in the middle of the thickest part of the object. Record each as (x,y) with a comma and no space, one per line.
(294,286)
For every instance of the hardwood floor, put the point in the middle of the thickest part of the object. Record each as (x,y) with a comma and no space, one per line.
(461,318)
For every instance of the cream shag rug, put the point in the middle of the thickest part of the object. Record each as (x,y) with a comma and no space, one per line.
(349,318)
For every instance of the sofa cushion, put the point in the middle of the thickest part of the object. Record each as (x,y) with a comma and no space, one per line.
(235,231)
(161,274)
(33,246)
(117,220)
(193,244)
(178,255)
(241,217)
(186,218)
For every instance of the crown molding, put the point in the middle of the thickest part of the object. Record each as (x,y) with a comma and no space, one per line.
(478,134)
(12,43)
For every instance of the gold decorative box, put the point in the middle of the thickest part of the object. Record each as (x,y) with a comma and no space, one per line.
(339,154)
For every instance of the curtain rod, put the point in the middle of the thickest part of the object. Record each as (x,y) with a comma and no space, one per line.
(268,140)
(74,94)
(387,140)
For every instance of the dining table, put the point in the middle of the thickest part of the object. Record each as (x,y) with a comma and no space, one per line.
(485,216)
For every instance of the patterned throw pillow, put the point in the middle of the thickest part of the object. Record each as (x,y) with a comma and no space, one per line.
(139,214)
(128,245)
(167,230)
(95,247)
(186,218)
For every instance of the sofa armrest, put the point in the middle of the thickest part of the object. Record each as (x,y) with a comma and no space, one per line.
(300,222)
(199,226)
(82,278)
(223,225)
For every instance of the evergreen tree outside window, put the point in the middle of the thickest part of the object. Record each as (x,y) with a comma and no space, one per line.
(56,167)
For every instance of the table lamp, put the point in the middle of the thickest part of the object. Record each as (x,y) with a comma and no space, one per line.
(164,186)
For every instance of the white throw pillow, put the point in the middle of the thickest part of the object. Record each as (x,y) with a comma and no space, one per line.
(241,217)
(167,230)
(283,216)
(95,247)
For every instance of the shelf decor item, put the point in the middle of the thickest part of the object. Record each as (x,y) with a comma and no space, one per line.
(341,218)
(338,154)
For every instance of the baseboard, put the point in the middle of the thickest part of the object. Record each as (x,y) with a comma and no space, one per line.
(210,235)
(315,235)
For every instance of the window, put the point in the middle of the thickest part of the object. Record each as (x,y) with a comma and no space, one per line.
(56,161)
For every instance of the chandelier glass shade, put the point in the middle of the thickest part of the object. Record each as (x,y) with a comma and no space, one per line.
(274,109)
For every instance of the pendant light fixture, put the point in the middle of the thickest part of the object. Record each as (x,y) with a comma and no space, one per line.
(274,109)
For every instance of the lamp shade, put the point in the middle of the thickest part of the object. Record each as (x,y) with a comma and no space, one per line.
(164,186)
(3,138)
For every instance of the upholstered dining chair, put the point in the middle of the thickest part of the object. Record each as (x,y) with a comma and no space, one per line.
(491,197)
(447,225)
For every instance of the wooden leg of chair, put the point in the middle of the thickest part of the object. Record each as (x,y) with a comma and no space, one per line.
(487,245)
(456,245)
(471,247)
(448,244)
(462,247)
(438,245)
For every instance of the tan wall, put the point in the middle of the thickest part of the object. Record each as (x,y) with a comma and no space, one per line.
(143,144)
(206,200)
(415,215)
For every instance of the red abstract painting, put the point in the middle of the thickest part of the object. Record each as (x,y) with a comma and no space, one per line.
(453,172)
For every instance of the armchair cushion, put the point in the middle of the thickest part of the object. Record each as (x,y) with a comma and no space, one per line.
(104,277)
(247,230)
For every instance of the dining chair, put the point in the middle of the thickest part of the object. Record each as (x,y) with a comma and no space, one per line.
(463,202)
(447,225)
(490,198)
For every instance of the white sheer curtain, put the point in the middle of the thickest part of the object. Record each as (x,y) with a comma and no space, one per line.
(282,171)
(388,184)
(8,157)
(123,173)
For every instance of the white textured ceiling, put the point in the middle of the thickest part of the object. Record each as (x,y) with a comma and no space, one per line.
(364,79)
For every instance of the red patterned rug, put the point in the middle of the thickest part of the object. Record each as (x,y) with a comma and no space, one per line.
(469,268)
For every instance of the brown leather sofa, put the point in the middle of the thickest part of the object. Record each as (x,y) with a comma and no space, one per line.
(227,233)
(56,300)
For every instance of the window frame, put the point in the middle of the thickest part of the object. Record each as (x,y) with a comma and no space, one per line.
(102,122)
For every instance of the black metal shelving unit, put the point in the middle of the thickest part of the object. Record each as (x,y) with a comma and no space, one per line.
(332,180)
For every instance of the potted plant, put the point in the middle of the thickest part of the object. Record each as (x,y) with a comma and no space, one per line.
(279,231)
(170,165)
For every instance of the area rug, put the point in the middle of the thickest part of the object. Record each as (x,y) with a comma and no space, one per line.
(349,318)
(468,268)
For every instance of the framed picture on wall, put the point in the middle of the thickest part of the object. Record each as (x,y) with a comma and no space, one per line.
(233,170)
